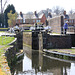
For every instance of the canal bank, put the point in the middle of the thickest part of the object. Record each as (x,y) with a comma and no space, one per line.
(36,63)
(61,53)
(4,67)
(9,52)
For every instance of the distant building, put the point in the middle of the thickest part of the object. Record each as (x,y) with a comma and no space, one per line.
(19,19)
(30,18)
(42,18)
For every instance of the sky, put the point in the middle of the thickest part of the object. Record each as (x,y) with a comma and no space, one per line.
(37,5)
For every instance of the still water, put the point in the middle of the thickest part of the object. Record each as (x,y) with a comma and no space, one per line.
(35,63)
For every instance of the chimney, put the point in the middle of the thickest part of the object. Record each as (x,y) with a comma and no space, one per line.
(35,13)
(21,14)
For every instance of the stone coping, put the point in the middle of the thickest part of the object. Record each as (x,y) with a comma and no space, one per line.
(59,53)
(13,41)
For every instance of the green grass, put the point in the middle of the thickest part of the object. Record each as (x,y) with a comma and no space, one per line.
(3,46)
(1,31)
(55,33)
(4,40)
(3,28)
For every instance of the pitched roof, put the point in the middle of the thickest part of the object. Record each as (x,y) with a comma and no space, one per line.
(30,16)
(40,16)
(34,16)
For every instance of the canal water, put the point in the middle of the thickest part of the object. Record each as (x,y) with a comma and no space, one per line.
(36,63)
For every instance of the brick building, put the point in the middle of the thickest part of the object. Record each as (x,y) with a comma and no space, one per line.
(30,18)
(42,18)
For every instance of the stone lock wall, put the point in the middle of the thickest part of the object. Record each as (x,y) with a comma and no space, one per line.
(19,37)
(46,41)
(11,51)
(27,38)
(57,41)
(73,39)
(33,39)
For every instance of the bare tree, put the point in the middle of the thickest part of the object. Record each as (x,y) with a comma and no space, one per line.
(49,10)
(71,11)
(3,4)
(29,16)
(58,10)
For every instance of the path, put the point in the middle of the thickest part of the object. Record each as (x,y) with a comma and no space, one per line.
(6,33)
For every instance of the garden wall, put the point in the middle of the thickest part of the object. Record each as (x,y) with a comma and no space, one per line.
(56,24)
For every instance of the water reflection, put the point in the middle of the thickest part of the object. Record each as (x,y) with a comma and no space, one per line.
(34,63)
(27,63)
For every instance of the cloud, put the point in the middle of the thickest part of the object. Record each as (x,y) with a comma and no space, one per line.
(32,5)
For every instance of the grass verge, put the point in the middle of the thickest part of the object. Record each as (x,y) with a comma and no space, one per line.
(4,41)
(3,28)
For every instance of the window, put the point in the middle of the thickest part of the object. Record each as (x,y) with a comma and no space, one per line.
(37,20)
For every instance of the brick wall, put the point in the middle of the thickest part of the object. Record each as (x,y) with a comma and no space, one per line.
(29,21)
(43,19)
(56,23)
(19,21)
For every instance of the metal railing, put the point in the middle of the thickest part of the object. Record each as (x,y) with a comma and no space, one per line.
(60,29)
(56,29)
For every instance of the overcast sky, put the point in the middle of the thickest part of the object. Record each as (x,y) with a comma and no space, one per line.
(32,5)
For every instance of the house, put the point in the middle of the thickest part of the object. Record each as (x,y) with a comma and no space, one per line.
(42,18)
(30,18)
(20,19)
